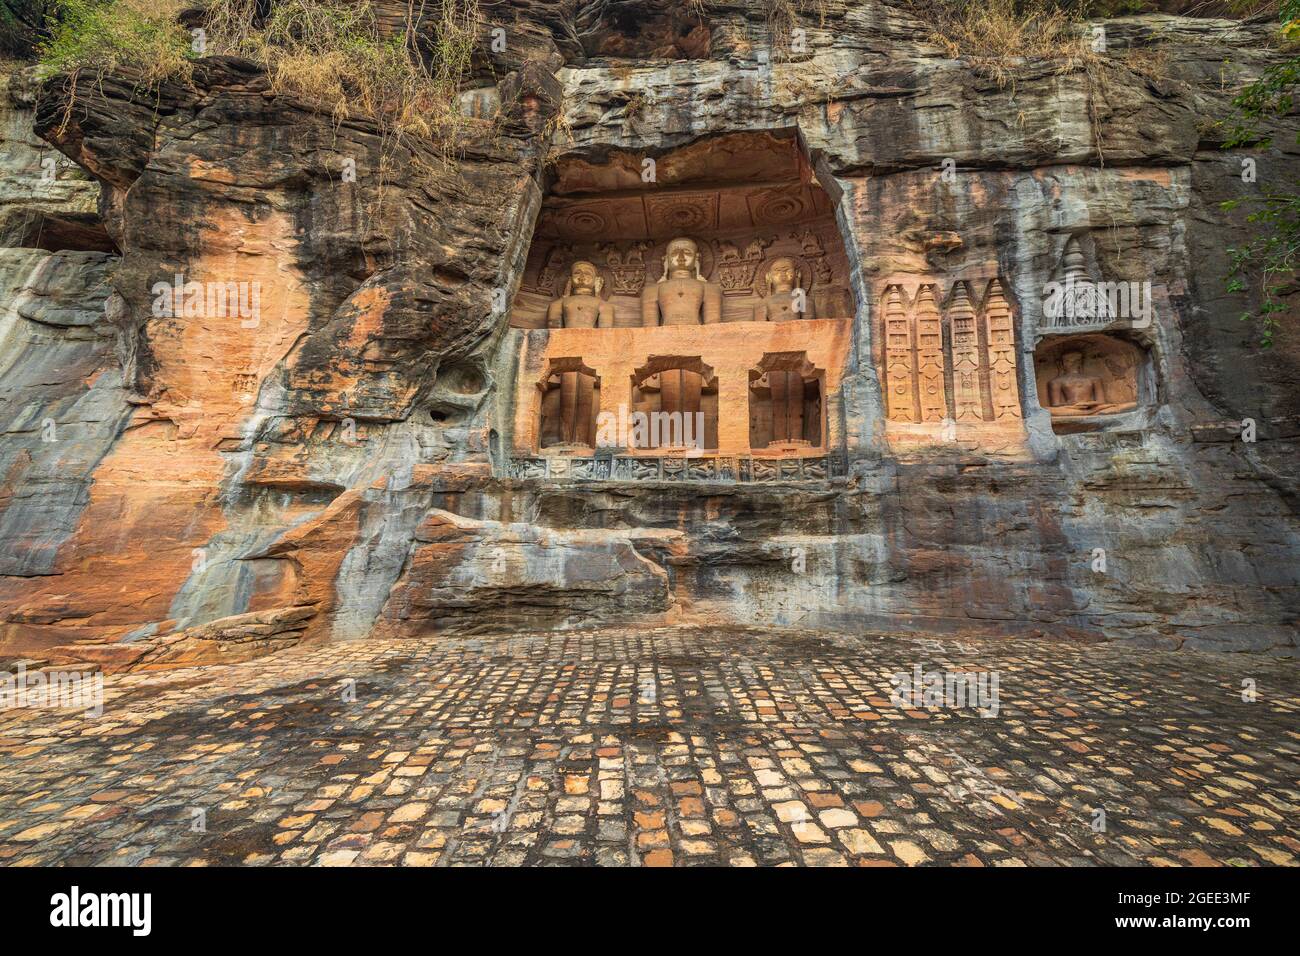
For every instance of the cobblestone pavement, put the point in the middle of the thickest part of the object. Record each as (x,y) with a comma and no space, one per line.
(668,747)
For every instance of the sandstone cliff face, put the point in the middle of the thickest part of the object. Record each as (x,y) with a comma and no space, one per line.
(187,488)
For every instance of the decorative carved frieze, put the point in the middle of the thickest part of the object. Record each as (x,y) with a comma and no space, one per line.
(704,468)
(1004,392)
(627,266)
(736,270)
(967,405)
(958,364)
(900,356)
(929,356)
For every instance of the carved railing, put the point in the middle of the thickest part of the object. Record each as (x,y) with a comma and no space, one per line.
(702,468)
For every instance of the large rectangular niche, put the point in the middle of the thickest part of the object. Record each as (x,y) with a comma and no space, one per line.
(745,201)
(730,352)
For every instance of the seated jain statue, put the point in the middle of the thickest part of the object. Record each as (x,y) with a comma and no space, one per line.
(784,300)
(1074,392)
(682,296)
(581,306)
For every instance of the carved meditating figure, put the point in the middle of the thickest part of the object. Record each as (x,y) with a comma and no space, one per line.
(581,307)
(784,299)
(1074,392)
(681,296)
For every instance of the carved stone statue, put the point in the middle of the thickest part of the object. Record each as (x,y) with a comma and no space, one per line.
(581,307)
(681,296)
(1074,392)
(570,403)
(785,409)
(781,300)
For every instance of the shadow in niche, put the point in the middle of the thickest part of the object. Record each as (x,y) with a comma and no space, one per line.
(643,29)
(79,232)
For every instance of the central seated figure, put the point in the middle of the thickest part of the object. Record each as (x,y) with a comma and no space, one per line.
(681,296)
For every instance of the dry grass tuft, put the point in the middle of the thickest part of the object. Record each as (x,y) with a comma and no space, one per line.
(994,31)
(334,56)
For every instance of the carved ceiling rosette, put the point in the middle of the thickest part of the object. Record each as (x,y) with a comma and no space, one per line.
(777,207)
(737,267)
(673,215)
(579,221)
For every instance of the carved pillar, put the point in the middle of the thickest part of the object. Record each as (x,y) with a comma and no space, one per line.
(965,357)
(929,355)
(900,381)
(1004,394)
(732,424)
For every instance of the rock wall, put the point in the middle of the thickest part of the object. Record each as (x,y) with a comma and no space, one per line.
(337,458)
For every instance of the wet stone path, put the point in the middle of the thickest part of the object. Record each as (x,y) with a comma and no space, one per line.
(666,747)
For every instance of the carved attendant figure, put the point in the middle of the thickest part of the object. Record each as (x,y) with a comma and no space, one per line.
(581,306)
(682,296)
(781,300)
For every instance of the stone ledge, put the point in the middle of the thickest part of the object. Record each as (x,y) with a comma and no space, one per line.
(704,468)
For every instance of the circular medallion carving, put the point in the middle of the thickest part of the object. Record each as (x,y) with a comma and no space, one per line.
(585,221)
(778,208)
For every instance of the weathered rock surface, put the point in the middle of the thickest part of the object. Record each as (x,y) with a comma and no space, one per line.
(344,452)
(468,576)
(46,201)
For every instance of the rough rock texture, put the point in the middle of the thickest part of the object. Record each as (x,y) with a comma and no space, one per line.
(344,451)
(46,201)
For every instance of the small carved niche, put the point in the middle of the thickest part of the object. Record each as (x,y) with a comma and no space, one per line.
(679,398)
(570,404)
(1084,378)
(785,403)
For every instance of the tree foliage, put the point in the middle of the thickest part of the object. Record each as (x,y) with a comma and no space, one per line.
(1266,264)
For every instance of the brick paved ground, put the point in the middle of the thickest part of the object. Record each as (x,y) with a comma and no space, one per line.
(664,747)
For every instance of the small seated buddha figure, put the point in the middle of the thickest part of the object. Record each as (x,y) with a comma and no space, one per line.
(1074,392)
(581,307)
(681,296)
(781,302)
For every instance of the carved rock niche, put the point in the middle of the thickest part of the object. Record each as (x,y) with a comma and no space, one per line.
(569,406)
(678,398)
(763,231)
(1085,380)
(785,404)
